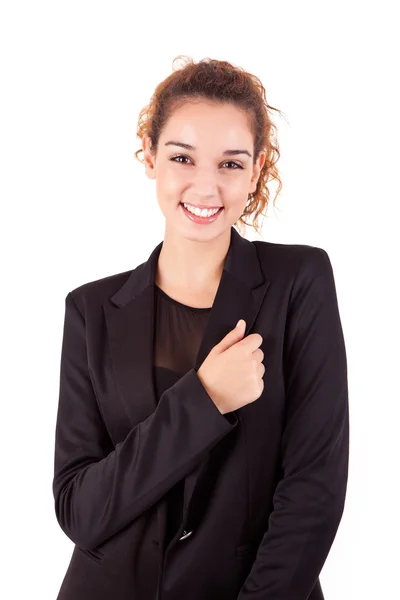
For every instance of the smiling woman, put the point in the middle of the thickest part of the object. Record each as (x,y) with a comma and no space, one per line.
(217,113)
(184,466)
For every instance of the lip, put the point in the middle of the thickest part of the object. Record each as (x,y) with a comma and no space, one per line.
(201,220)
(202,205)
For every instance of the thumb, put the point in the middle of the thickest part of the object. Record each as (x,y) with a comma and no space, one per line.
(232,336)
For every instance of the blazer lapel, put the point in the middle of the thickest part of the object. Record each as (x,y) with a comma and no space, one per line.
(129,317)
(240,294)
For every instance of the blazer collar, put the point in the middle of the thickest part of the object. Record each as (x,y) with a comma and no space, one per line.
(241,261)
(129,317)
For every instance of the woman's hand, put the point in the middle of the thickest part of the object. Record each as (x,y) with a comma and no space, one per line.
(232,373)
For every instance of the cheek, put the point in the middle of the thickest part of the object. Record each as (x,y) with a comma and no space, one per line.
(166,183)
(234,189)
(170,180)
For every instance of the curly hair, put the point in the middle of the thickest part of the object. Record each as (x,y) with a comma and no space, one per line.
(219,81)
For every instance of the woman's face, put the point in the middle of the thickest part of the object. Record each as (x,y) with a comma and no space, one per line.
(210,172)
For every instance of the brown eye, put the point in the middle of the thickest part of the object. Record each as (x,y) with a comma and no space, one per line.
(232,162)
(179,156)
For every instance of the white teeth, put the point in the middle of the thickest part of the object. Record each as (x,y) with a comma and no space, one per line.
(201,212)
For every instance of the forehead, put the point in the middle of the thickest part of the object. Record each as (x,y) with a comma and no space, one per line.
(203,123)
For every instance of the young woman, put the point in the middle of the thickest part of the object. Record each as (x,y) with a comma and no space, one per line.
(202,432)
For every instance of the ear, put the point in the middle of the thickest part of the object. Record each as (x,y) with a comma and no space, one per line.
(148,158)
(257,170)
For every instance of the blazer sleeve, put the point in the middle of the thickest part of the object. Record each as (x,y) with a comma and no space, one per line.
(98,488)
(309,498)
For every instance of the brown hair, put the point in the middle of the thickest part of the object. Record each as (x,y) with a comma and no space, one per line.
(219,81)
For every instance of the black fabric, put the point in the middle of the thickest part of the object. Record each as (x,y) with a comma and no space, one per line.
(118,451)
(178,332)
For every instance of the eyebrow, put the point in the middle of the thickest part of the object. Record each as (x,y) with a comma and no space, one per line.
(189,147)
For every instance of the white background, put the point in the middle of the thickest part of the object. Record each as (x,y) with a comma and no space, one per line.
(76,206)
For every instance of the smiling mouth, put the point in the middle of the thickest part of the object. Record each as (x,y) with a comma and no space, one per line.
(201,219)
(201,207)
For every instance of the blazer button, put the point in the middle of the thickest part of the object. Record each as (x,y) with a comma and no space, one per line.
(185,534)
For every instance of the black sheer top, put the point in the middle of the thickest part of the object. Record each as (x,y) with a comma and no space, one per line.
(178,333)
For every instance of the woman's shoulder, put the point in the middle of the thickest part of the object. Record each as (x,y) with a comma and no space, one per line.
(289,259)
(97,291)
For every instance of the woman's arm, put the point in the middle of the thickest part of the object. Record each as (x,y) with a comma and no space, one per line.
(309,499)
(99,489)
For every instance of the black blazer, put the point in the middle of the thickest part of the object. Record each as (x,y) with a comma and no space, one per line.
(265,485)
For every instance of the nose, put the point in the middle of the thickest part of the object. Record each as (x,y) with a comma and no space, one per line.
(205,181)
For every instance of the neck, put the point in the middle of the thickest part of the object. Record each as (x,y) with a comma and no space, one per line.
(186,263)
